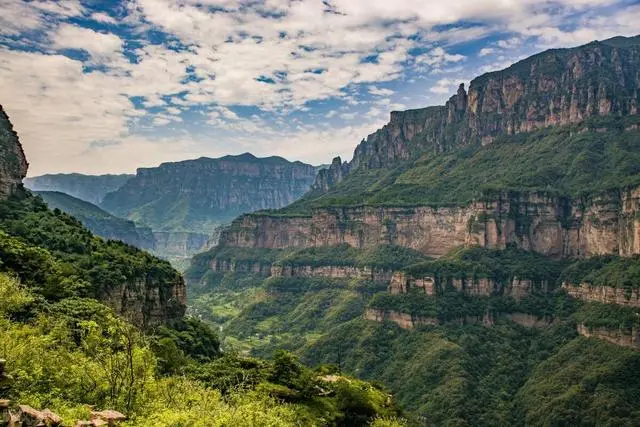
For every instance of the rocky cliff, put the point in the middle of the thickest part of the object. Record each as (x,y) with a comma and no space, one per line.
(556,87)
(137,285)
(198,195)
(13,163)
(90,188)
(604,294)
(554,226)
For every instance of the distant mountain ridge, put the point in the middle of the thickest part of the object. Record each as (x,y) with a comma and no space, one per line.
(90,188)
(170,245)
(99,221)
(198,195)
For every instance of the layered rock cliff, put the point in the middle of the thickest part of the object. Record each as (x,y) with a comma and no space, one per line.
(553,226)
(13,163)
(198,195)
(556,87)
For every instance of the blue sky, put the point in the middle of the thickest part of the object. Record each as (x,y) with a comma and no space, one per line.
(102,86)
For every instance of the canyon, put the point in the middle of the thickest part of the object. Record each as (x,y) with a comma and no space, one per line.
(554,226)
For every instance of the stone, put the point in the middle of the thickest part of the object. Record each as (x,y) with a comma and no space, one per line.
(111,417)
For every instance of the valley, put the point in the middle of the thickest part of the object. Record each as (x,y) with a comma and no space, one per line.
(480,258)
(475,263)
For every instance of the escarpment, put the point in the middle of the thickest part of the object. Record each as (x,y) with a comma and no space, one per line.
(556,87)
(553,226)
(198,195)
(13,163)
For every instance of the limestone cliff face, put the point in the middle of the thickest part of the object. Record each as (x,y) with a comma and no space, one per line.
(403,320)
(556,87)
(604,294)
(198,195)
(332,272)
(557,227)
(13,163)
(402,283)
(626,337)
(225,266)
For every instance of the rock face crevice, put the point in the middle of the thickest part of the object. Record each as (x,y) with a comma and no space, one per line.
(13,163)
(554,226)
(556,87)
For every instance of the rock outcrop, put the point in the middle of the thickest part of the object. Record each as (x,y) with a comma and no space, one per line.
(13,163)
(604,294)
(553,226)
(253,267)
(198,195)
(332,272)
(148,303)
(517,288)
(403,320)
(556,87)
(626,337)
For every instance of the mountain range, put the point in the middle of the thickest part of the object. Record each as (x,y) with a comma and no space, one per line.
(479,258)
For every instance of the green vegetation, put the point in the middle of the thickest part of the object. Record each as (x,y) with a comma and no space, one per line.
(611,270)
(457,373)
(99,221)
(53,252)
(68,351)
(594,156)
(587,382)
(384,256)
(500,266)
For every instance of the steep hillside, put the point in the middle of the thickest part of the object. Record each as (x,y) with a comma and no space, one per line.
(173,246)
(542,155)
(98,221)
(198,195)
(479,258)
(95,330)
(90,188)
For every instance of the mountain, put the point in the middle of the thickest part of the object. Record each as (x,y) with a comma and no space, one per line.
(528,157)
(99,221)
(173,246)
(13,163)
(199,195)
(90,188)
(95,329)
(479,258)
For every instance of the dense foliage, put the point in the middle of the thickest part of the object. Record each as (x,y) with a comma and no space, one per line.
(68,351)
(98,221)
(460,372)
(52,249)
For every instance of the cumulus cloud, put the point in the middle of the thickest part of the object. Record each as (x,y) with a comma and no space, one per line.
(252,71)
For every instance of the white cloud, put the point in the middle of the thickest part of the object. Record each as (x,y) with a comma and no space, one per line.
(375,91)
(217,52)
(103,18)
(486,51)
(98,45)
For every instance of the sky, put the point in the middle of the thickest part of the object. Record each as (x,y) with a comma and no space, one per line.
(101,86)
